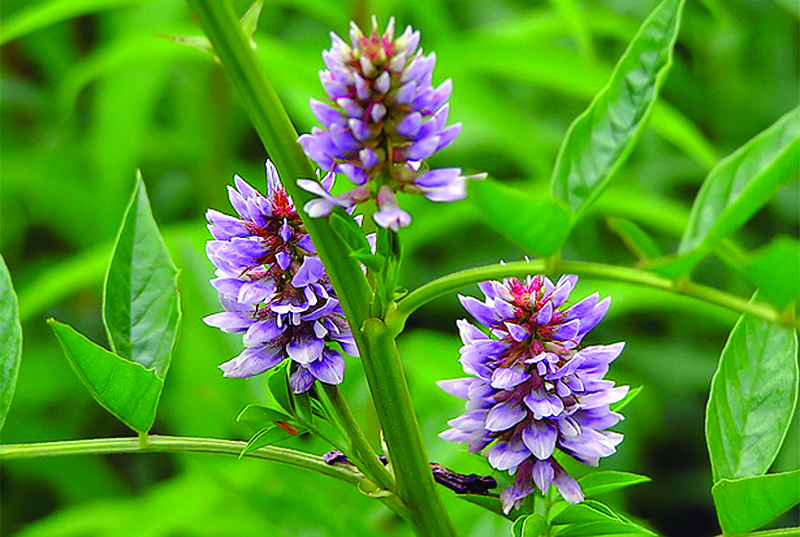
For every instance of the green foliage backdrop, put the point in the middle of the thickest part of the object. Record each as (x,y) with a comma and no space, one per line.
(92,90)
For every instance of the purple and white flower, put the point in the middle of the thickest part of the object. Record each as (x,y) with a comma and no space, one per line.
(382,118)
(274,289)
(534,387)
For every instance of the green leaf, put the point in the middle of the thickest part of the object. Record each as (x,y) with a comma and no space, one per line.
(353,236)
(774,270)
(753,396)
(591,517)
(586,511)
(743,182)
(278,383)
(634,237)
(600,139)
(534,526)
(490,503)
(302,402)
(249,20)
(600,482)
(516,527)
(124,388)
(630,396)
(674,266)
(592,529)
(10,341)
(265,437)
(141,308)
(249,23)
(261,414)
(747,504)
(539,225)
(43,14)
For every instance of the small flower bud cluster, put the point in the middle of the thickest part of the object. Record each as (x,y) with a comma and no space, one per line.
(274,289)
(382,119)
(534,388)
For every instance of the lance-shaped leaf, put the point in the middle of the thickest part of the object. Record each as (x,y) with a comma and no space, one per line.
(124,388)
(141,309)
(743,182)
(539,225)
(600,482)
(635,238)
(747,504)
(10,341)
(753,396)
(774,269)
(600,139)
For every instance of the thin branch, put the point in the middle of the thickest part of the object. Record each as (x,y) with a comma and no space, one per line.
(452,282)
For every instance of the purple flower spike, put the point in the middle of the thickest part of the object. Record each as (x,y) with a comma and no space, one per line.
(534,389)
(274,288)
(382,119)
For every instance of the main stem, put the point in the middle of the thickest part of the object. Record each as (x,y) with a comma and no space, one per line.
(396,412)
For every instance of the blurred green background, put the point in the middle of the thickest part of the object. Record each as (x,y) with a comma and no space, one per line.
(92,90)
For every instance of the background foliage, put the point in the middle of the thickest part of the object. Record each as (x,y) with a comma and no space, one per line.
(91,91)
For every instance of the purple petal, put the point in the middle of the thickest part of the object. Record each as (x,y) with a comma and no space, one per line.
(325,114)
(594,400)
(519,333)
(568,487)
(228,322)
(252,361)
(446,136)
(505,378)
(540,438)
(543,404)
(284,259)
(468,332)
(301,380)
(311,271)
(590,320)
(482,313)
(545,314)
(568,331)
(224,227)
(392,218)
(543,474)
(409,126)
(503,416)
(262,333)
(504,457)
(457,387)
(329,369)
(305,350)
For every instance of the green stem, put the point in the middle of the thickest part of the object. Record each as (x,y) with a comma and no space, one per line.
(365,455)
(396,412)
(457,280)
(188,444)
(178,444)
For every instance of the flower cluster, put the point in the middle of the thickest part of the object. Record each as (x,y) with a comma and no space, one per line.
(535,389)
(274,289)
(382,119)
